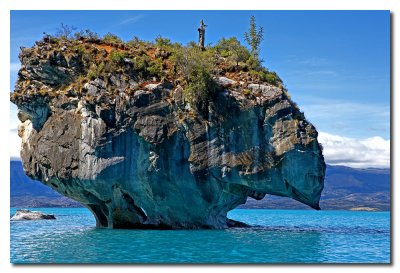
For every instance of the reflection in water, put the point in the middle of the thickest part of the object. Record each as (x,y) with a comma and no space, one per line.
(324,237)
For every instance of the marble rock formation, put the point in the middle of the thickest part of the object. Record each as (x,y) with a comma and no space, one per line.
(22,215)
(143,160)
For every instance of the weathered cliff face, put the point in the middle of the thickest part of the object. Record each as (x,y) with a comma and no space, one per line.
(140,159)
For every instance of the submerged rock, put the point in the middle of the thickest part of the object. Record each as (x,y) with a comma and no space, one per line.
(140,160)
(22,215)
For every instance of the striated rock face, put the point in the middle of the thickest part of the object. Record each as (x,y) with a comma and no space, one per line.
(142,160)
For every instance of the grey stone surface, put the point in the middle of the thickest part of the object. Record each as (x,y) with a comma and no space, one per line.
(265,89)
(143,161)
(24,215)
(95,87)
(152,86)
(224,81)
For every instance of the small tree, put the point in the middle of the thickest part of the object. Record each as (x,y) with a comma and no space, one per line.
(161,41)
(91,35)
(254,37)
(232,48)
(87,34)
(111,38)
(189,60)
(117,57)
(65,31)
(195,66)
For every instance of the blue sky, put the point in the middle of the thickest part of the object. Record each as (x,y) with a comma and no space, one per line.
(336,64)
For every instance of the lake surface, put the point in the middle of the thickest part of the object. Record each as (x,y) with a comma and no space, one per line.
(278,236)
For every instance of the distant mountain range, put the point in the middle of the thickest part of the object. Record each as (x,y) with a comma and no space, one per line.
(345,189)
(25,192)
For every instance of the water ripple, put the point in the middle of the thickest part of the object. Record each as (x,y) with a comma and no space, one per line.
(276,237)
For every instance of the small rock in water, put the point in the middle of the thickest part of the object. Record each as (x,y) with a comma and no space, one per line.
(23,214)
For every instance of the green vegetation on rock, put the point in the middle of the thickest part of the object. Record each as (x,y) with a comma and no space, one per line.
(232,49)
(194,69)
(254,37)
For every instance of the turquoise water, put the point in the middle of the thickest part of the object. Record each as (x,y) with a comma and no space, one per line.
(278,236)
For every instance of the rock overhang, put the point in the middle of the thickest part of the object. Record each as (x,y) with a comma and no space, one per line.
(122,152)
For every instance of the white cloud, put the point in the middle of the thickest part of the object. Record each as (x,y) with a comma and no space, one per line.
(131,20)
(373,152)
(14,144)
(14,139)
(322,73)
(352,119)
(14,121)
(311,61)
(15,66)
(337,108)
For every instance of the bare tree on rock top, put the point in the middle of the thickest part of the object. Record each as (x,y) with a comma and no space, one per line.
(202,33)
